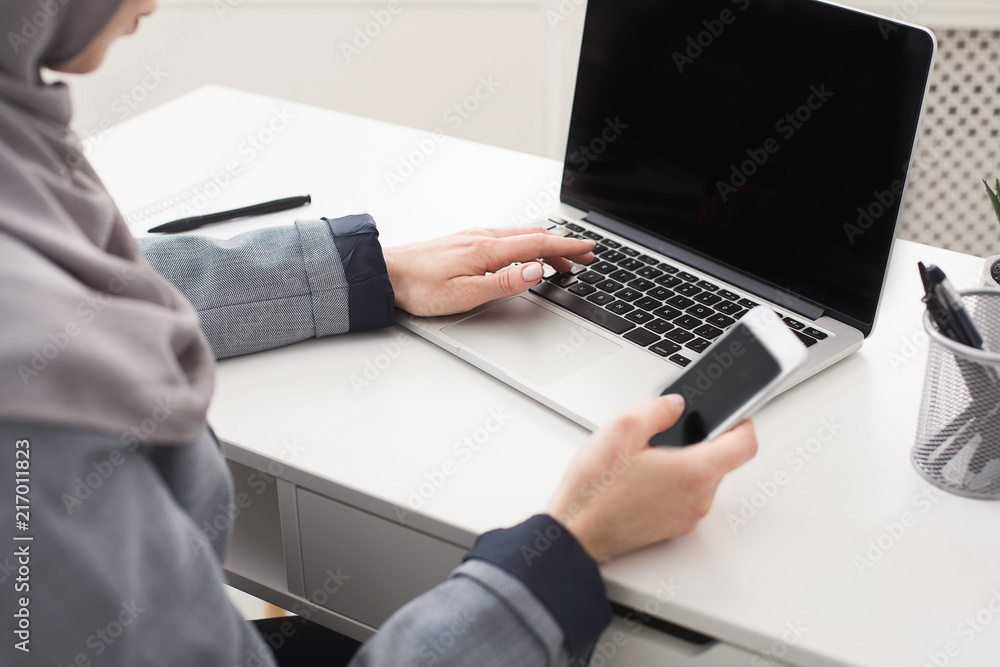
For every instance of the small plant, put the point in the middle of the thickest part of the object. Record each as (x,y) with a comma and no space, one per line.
(994,197)
(995,200)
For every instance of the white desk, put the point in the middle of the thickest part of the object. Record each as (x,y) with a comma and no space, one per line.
(342,487)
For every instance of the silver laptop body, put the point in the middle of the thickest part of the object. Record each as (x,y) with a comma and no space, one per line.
(723,154)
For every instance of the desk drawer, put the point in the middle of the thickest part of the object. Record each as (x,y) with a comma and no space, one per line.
(630,644)
(394,565)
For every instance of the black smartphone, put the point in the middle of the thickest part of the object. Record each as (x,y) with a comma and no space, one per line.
(733,377)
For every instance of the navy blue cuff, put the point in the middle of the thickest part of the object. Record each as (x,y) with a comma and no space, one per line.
(548,560)
(370,298)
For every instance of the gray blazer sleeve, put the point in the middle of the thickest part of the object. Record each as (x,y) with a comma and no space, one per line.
(279,285)
(527,595)
(481,616)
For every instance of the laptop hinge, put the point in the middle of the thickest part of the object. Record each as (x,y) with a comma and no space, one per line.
(783,298)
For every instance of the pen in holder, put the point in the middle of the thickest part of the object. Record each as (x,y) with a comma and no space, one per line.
(958,433)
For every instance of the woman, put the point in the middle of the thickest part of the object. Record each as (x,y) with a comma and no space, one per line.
(106,371)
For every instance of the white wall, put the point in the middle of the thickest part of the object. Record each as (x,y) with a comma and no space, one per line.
(936,13)
(431,55)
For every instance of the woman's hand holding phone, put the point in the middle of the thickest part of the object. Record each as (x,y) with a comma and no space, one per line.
(619,494)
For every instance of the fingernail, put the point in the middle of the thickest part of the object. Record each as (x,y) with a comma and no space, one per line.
(531,272)
(676,399)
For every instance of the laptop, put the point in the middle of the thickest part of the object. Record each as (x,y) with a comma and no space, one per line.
(722,154)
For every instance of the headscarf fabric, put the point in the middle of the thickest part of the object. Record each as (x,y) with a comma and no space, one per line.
(91,337)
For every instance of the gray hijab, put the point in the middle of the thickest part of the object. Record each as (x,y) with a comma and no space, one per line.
(90,336)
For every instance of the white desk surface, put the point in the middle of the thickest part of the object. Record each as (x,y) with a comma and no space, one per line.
(795,562)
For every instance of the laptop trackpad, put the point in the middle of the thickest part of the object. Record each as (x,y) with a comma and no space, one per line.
(521,337)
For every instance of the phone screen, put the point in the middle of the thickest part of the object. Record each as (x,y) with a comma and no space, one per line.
(717,384)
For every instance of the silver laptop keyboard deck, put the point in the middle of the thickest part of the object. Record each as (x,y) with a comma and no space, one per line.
(648,301)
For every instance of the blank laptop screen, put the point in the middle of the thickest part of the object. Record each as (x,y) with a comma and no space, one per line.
(770,136)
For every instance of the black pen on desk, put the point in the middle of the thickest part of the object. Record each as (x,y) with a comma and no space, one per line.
(186,224)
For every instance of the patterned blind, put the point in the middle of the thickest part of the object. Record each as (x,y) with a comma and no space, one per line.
(946,204)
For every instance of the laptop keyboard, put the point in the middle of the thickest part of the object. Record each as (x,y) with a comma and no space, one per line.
(650,302)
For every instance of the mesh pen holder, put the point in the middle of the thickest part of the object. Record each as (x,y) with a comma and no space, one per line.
(957,447)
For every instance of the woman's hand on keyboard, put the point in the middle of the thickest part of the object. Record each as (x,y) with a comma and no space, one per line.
(456,273)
